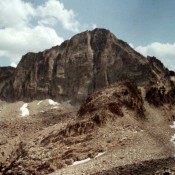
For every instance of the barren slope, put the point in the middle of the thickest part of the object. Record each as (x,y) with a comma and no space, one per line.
(113,128)
(121,127)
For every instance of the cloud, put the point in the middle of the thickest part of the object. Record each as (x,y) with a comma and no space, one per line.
(15,43)
(49,21)
(55,10)
(163,51)
(94,26)
(15,13)
(131,45)
(18,13)
(28,28)
(13,64)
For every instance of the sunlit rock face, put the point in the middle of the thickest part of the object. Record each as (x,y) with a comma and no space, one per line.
(75,69)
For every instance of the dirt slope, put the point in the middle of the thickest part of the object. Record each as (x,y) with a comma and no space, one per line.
(115,127)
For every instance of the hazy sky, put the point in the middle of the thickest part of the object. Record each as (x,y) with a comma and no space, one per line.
(34,25)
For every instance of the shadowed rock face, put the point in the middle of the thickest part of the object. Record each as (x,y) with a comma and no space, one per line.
(75,69)
(6,79)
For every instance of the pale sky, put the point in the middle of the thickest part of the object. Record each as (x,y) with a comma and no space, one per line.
(34,25)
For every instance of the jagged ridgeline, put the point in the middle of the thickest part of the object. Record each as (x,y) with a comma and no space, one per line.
(79,66)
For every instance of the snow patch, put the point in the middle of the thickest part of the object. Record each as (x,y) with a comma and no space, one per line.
(88,159)
(24,110)
(173,139)
(39,102)
(51,102)
(173,126)
(55,107)
(81,161)
(99,154)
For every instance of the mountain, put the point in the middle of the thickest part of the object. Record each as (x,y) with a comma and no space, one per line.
(78,67)
(114,111)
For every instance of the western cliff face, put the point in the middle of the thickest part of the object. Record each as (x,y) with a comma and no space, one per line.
(75,69)
(6,79)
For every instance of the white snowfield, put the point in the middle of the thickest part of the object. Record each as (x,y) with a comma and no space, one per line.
(51,102)
(99,154)
(88,159)
(39,102)
(81,161)
(173,137)
(24,110)
(173,126)
(55,107)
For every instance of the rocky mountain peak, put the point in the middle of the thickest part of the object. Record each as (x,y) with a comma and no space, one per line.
(124,127)
(72,71)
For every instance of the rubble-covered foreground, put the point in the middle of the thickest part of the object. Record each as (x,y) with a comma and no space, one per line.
(118,123)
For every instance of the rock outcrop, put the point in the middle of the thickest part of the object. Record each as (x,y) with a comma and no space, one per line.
(116,123)
(72,71)
(78,139)
(6,80)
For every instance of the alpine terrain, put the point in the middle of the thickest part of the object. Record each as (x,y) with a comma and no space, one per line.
(91,106)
